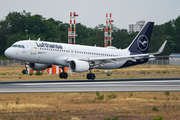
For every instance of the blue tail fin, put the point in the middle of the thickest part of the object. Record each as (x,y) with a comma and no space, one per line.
(141,42)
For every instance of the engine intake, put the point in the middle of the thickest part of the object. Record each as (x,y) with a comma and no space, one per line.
(38,66)
(78,66)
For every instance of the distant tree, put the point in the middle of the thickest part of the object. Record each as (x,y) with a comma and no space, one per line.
(3,36)
(13,28)
(14,38)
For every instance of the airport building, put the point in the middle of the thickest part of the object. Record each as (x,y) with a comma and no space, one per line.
(174,59)
(136,27)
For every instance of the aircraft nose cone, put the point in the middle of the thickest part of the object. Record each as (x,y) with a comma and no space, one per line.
(8,53)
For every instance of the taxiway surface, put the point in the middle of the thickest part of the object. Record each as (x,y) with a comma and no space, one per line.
(152,84)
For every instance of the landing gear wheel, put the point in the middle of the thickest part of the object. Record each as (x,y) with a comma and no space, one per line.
(60,75)
(63,74)
(91,76)
(88,76)
(25,72)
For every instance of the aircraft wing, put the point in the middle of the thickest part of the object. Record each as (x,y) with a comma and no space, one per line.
(132,57)
(100,60)
(96,61)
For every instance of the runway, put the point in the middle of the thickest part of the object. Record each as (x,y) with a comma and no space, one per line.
(148,84)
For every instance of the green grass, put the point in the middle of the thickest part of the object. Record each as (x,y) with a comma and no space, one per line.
(154,108)
(99,97)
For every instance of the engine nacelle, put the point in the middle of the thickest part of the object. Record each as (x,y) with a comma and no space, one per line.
(38,66)
(78,66)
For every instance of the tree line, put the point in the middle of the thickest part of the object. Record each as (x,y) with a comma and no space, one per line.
(13,28)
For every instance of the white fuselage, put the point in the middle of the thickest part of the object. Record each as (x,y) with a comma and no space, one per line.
(57,53)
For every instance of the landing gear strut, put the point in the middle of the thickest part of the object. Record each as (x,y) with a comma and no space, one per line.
(63,74)
(91,75)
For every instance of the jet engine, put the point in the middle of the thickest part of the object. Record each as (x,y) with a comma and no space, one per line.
(78,66)
(38,66)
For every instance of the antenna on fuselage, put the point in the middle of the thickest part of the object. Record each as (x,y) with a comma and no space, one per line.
(38,39)
(29,38)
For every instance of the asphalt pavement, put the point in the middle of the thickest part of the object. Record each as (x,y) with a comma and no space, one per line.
(147,84)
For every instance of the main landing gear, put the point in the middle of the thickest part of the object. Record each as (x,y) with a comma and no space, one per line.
(91,75)
(63,74)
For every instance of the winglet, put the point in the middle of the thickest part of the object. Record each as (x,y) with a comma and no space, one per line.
(160,49)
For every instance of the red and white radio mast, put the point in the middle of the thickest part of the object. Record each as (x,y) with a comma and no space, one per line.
(72,34)
(108,34)
(70,30)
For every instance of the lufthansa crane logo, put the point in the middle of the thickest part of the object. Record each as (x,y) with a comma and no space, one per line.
(142,42)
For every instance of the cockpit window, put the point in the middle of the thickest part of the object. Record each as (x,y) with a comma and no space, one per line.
(19,46)
(14,45)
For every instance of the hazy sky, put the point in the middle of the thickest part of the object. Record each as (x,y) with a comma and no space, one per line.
(93,12)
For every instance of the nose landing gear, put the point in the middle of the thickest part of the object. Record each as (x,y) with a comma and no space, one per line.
(25,71)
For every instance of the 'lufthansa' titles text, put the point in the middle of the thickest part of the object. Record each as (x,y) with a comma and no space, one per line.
(49,45)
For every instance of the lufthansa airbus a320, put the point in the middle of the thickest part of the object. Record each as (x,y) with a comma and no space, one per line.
(80,58)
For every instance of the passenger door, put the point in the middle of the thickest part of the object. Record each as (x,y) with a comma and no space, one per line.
(33,48)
